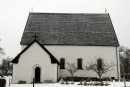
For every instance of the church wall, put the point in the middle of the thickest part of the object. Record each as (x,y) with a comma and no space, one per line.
(88,54)
(34,57)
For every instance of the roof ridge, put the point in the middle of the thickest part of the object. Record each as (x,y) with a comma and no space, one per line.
(67,13)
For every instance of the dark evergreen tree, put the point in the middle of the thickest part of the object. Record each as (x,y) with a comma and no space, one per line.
(124,55)
(6,66)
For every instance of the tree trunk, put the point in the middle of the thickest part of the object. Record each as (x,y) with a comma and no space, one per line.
(72,75)
(100,76)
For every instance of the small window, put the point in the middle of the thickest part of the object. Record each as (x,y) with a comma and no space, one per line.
(62,63)
(79,63)
(99,63)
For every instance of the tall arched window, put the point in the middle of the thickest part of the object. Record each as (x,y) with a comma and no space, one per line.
(62,63)
(79,63)
(99,63)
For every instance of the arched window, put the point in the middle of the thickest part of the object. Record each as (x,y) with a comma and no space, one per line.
(79,63)
(99,63)
(62,63)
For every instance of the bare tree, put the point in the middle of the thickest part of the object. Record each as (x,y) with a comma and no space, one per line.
(100,67)
(1,52)
(72,68)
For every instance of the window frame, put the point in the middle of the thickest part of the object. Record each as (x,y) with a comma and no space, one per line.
(100,63)
(63,65)
(79,66)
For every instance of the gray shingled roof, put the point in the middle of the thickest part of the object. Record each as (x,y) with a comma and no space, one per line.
(70,29)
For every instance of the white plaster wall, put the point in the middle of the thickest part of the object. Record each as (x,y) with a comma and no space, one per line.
(118,63)
(31,58)
(88,54)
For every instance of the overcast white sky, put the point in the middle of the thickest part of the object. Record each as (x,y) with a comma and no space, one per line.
(14,13)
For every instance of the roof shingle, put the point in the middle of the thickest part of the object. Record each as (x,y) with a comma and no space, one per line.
(70,29)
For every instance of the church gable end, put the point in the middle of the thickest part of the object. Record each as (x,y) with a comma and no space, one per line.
(53,59)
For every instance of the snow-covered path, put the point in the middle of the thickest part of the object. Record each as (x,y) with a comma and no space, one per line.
(113,84)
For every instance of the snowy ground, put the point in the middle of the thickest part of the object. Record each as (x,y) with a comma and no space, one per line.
(117,84)
(112,84)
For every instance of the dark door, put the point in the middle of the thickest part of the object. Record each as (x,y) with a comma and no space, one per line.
(37,74)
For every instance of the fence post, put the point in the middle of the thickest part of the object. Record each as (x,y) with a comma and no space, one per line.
(33,82)
(9,80)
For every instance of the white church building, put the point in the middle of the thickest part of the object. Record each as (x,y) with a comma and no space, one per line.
(50,40)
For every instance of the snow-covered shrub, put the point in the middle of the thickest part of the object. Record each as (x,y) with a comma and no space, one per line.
(61,81)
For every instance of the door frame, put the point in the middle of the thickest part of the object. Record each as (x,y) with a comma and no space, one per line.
(37,71)
(33,72)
